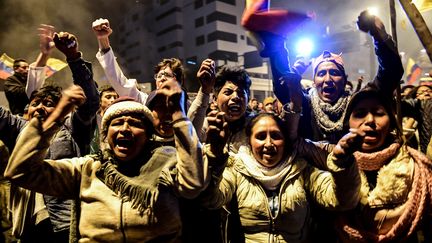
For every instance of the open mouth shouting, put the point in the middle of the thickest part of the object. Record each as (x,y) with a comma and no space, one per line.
(329,92)
(123,144)
(371,136)
(234,110)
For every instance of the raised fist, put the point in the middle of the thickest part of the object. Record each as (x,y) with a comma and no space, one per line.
(101,28)
(300,65)
(206,75)
(68,44)
(174,96)
(71,97)
(371,24)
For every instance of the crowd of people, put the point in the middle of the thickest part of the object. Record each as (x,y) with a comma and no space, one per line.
(110,163)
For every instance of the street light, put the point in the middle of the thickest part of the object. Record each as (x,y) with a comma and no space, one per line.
(373,11)
(304,47)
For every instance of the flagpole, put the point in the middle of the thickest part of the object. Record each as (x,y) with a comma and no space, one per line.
(394,35)
(419,25)
(393,22)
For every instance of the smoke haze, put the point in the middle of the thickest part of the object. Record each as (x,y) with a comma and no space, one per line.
(21,18)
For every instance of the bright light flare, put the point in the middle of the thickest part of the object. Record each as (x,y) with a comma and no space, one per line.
(304,47)
(373,11)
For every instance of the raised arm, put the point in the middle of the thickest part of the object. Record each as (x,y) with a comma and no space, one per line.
(82,74)
(192,169)
(122,85)
(292,107)
(222,184)
(36,75)
(390,68)
(197,110)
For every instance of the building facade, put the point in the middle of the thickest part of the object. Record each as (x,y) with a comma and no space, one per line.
(191,30)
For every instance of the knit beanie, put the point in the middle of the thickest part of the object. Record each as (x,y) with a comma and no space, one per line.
(327,56)
(124,106)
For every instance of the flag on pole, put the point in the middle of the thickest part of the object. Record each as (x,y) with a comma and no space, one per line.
(6,66)
(413,71)
(423,5)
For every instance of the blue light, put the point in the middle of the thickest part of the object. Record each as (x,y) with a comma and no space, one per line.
(304,47)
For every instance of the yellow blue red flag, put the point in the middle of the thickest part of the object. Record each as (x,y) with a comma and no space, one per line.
(54,65)
(413,71)
(6,66)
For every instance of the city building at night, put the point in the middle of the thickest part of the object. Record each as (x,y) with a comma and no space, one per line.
(191,31)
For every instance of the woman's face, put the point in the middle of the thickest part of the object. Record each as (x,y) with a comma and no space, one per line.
(127,136)
(267,142)
(370,116)
(232,100)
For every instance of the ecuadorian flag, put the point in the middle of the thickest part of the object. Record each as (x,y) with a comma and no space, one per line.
(6,66)
(54,65)
(413,71)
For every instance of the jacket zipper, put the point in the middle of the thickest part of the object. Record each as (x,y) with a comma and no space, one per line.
(271,219)
(279,211)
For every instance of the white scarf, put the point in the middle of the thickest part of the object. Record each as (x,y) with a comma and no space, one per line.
(270,178)
(329,117)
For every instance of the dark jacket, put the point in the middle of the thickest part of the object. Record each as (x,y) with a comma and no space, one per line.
(16,94)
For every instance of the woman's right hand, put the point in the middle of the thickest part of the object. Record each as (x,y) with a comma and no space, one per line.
(349,143)
(217,131)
